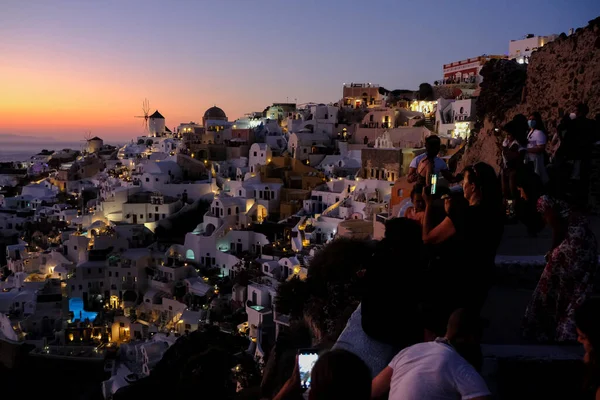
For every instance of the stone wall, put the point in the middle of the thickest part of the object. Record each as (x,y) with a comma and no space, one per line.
(560,75)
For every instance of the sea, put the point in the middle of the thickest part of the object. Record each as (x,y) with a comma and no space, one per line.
(23,150)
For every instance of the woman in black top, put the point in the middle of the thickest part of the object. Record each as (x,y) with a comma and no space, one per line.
(480,227)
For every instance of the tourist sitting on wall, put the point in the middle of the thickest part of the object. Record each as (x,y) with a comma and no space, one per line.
(568,277)
(337,375)
(480,226)
(429,162)
(441,369)
(587,321)
(392,294)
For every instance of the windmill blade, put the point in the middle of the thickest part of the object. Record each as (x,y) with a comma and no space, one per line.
(146,108)
(146,115)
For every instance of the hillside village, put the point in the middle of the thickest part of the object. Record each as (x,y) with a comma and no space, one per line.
(115,253)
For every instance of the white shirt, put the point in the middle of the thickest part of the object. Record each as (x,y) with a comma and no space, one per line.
(434,371)
(536,138)
(438,164)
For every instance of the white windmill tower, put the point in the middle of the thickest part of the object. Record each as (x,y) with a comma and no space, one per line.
(156,124)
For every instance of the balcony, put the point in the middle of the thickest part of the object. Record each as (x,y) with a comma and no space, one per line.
(360,85)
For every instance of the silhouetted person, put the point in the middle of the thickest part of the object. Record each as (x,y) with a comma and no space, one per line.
(337,375)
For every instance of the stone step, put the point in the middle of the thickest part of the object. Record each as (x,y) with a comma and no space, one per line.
(533,371)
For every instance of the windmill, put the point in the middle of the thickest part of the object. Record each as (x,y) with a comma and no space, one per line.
(146,111)
(87,135)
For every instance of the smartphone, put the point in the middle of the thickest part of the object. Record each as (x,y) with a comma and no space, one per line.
(433,181)
(306,361)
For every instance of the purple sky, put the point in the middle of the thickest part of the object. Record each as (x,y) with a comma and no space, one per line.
(90,63)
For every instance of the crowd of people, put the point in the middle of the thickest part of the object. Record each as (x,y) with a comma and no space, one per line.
(417,331)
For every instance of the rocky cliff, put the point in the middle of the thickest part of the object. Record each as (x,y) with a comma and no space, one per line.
(560,75)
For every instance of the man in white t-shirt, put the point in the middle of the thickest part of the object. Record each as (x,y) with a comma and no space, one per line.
(436,370)
(420,165)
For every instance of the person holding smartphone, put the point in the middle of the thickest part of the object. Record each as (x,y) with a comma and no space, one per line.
(424,165)
(479,227)
(334,375)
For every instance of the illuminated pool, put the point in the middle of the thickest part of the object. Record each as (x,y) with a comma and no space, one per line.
(79,314)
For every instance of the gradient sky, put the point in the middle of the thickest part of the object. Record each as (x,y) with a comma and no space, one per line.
(71,66)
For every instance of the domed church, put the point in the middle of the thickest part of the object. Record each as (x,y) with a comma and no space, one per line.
(214,114)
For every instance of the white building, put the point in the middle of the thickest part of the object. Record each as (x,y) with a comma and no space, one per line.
(340,165)
(132,151)
(315,118)
(149,208)
(264,194)
(259,307)
(380,117)
(260,154)
(302,144)
(455,118)
(521,49)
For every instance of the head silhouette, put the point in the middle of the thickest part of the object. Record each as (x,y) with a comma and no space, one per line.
(340,375)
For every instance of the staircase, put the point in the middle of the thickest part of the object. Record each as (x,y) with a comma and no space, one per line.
(429,123)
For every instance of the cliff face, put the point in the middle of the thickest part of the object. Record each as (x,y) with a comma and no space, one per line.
(564,73)
(559,76)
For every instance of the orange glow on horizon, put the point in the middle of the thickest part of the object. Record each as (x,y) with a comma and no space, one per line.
(70,97)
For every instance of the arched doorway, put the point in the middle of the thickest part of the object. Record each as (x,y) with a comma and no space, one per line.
(210,228)
(189,254)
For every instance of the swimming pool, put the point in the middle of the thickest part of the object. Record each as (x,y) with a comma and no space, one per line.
(79,314)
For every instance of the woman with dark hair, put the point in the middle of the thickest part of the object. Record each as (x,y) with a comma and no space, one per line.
(521,128)
(587,322)
(480,226)
(536,146)
(340,375)
(568,277)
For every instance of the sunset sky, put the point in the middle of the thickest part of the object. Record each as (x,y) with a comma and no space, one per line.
(71,66)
